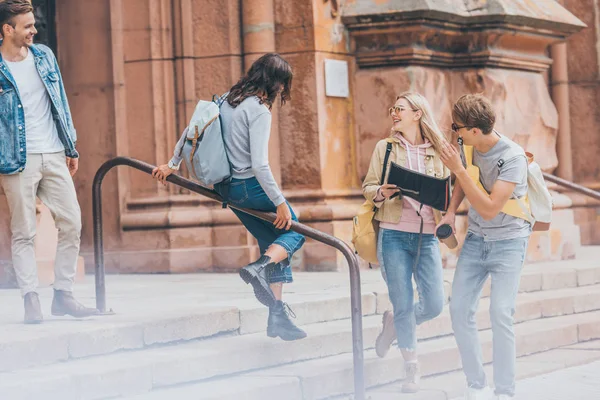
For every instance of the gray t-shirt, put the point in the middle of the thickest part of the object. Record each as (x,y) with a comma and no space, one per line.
(512,168)
(246,131)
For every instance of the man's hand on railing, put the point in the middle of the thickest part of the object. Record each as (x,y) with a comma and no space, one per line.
(161,173)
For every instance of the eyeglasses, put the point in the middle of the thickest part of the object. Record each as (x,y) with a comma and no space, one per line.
(455,127)
(397,110)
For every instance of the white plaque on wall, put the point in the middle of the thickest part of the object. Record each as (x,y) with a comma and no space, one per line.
(336,78)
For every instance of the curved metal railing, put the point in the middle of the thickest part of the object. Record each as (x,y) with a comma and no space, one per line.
(355,290)
(572,186)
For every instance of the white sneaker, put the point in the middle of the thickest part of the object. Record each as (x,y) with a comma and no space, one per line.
(413,376)
(504,397)
(479,394)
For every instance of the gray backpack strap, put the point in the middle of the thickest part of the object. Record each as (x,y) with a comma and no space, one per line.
(510,155)
(227,182)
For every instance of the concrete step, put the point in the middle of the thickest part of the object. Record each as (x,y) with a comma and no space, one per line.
(139,371)
(134,328)
(333,376)
(452,385)
(534,278)
(29,346)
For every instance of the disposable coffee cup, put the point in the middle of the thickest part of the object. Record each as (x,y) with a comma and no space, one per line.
(445,234)
(444,231)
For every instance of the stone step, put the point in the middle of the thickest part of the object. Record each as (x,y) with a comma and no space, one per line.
(27,346)
(138,371)
(333,376)
(534,278)
(452,385)
(24,347)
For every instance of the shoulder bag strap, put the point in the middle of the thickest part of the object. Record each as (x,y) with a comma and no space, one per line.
(388,150)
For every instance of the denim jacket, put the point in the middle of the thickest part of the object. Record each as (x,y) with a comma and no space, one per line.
(13,151)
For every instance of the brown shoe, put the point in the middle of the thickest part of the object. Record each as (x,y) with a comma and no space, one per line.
(33,310)
(387,335)
(64,303)
(413,376)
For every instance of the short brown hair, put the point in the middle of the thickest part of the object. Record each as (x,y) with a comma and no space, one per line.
(474,111)
(10,9)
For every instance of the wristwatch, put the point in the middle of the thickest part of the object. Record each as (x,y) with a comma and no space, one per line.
(173,166)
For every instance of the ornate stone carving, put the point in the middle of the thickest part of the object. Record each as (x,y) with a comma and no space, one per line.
(455,34)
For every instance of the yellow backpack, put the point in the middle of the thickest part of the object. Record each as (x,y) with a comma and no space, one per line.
(537,213)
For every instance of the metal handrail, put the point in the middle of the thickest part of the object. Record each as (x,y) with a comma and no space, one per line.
(355,290)
(572,186)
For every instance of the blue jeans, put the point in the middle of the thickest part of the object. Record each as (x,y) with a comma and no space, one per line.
(396,251)
(248,193)
(503,260)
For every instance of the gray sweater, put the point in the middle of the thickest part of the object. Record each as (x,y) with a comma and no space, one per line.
(246,131)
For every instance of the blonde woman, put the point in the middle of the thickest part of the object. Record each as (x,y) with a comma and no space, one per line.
(416,142)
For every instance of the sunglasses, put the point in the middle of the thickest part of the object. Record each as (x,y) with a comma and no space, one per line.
(455,127)
(397,110)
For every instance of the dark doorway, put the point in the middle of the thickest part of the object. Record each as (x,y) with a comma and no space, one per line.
(45,17)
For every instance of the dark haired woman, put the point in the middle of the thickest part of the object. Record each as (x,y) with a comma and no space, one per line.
(246,118)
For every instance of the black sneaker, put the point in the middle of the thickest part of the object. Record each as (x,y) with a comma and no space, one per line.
(256,273)
(281,325)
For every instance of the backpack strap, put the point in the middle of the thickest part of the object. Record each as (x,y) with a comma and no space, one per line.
(198,137)
(227,182)
(388,151)
(515,207)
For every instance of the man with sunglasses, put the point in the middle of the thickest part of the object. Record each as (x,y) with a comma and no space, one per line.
(495,245)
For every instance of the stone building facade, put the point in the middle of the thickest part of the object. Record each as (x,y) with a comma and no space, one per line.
(134,70)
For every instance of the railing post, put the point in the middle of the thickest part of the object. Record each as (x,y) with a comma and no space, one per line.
(357,329)
(98,239)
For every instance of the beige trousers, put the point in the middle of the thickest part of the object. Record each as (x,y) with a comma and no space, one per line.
(45,176)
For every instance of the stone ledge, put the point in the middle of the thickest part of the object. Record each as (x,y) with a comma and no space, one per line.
(448,34)
(538,14)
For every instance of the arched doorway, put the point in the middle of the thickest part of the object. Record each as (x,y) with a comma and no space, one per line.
(45,16)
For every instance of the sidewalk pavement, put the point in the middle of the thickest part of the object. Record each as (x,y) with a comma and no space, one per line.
(575,383)
(566,373)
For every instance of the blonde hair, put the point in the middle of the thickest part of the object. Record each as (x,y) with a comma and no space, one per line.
(429,128)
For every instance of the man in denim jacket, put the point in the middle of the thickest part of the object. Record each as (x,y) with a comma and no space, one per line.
(37,158)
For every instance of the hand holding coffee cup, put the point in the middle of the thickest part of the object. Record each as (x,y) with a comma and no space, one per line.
(445,231)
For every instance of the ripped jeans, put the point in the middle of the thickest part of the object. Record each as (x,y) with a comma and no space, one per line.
(248,193)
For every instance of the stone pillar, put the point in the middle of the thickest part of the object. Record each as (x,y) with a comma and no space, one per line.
(318,137)
(258,29)
(161,65)
(583,65)
(258,38)
(560,96)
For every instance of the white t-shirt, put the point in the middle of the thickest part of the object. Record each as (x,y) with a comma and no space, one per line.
(40,129)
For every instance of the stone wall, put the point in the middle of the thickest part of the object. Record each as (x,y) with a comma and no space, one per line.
(134,78)
(583,51)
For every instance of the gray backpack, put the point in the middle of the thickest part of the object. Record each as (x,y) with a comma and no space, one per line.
(204,150)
